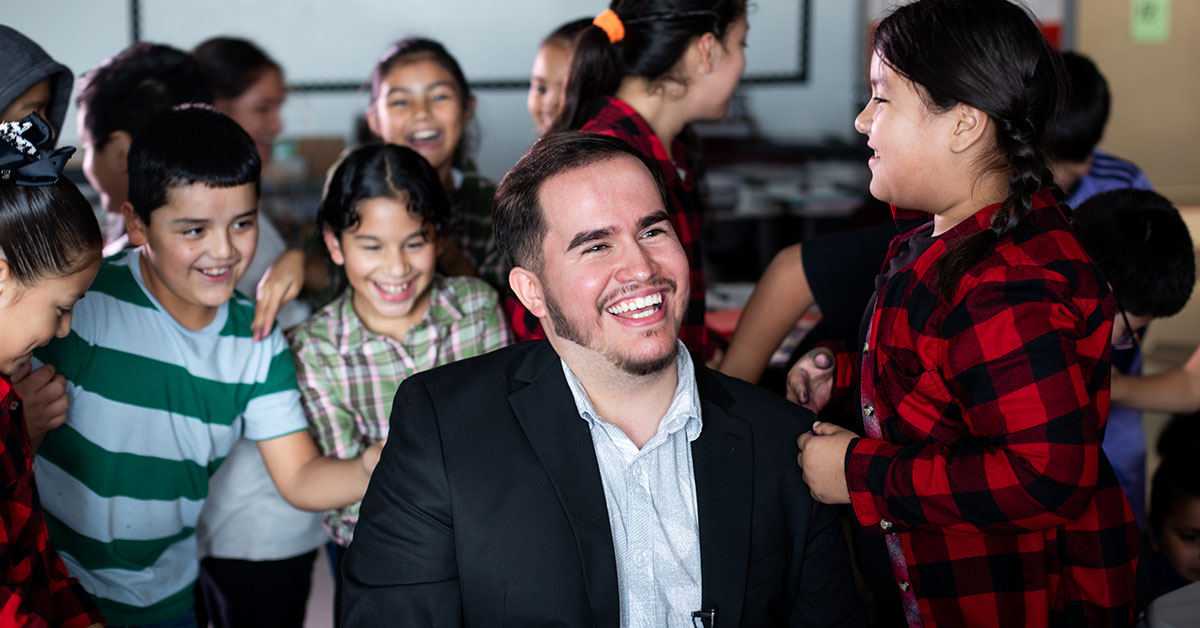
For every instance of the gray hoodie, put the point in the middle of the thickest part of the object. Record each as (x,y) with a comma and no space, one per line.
(24,65)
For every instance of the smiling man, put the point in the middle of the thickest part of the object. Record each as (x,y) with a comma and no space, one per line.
(599,477)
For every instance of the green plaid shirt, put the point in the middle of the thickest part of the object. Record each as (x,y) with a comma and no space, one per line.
(471,203)
(348,374)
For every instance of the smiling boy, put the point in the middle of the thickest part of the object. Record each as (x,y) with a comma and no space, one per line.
(164,376)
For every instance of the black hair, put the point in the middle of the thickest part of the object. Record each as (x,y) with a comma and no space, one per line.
(129,89)
(517,219)
(566,34)
(1078,131)
(232,65)
(185,146)
(382,171)
(1141,244)
(990,55)
(657,34)
(410,49)
(47,230)
(1178,475)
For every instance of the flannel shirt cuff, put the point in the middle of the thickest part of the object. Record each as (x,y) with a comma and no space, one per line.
(867,462)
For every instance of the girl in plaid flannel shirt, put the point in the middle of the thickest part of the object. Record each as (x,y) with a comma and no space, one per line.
(983,377)
(49,253)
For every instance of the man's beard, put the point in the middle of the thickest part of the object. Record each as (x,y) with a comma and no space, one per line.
(566,329)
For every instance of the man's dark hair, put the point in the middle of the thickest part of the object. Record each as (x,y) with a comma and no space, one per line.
(1077,132)
(138,84)
(185,146)
(517,218)
(1141,244)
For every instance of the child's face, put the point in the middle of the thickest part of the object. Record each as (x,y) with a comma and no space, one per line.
(390,259)
(31,315)
(257,110)
(196,248)
(36,99)
(419,106)
(901,130)
(546,83)
(105,169)
(1179,539)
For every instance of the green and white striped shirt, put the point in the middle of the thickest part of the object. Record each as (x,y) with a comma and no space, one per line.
(154,409)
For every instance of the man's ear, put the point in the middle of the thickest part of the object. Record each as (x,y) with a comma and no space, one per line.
(335,247)
(134,227)
(970,127)
(528,289)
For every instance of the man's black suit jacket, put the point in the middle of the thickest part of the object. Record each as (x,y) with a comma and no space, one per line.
(487,508)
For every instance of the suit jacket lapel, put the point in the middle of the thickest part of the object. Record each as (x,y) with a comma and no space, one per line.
(547,414)
(723,459)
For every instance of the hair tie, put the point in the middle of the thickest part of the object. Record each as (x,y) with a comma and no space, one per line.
(610,23)
(22,156)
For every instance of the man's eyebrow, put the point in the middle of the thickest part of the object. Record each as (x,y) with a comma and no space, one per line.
(588,236)
(653,219)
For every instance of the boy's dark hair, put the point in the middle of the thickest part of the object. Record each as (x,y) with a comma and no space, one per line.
(1178,475)
(517,219)
(1141,244)
(47,231)
(133,87)
(382,171)
(185,146)
(232,65)
(411,49)
(1078,131)
(657,34)
(988,54)
(566,34)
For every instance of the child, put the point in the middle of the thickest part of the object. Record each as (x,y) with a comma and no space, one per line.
(1173,556)
(31,82)
(253,544)
(49,253)
(644,71)
(1141,244)
(116,100)
(381,219)
(983,380)
(549,75)
(164,377)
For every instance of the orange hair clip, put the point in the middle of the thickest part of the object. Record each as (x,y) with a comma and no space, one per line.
(610,23)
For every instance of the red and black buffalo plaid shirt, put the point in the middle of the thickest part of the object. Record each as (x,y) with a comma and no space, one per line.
(618,119)
(36,590)
(984,415)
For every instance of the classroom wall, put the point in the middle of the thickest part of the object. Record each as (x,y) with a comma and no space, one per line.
(80,33)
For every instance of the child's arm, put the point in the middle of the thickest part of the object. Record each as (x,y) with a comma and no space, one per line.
(290,273)
(1017,365)
(310,481)
(1176,391)
(779,300)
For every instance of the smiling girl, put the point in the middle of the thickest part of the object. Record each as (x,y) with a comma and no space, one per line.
(983,387)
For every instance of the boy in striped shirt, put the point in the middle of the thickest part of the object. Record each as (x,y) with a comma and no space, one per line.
(164,376)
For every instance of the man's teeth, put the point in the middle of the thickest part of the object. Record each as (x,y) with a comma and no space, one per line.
(214,272)
(393,288)
(637,303)
(425,135)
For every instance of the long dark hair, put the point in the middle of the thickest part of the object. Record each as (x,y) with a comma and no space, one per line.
(657,33)
(990,55)
(232,65)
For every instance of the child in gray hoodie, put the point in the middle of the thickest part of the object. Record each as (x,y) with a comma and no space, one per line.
(30,81)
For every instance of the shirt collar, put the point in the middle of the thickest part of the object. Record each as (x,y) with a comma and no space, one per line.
(352,333)
(683,413)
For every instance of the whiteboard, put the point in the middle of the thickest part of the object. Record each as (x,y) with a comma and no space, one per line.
(338,42)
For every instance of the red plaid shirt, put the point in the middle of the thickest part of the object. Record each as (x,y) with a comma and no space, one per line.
(36,590)
(982,465)
(618,119)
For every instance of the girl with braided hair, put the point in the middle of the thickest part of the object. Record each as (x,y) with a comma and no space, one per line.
(978,485)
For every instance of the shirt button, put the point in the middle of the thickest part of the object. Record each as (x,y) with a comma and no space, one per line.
(13,407)
(866,347)
(868,410)
(904,586)
(642,557)
(885,524)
